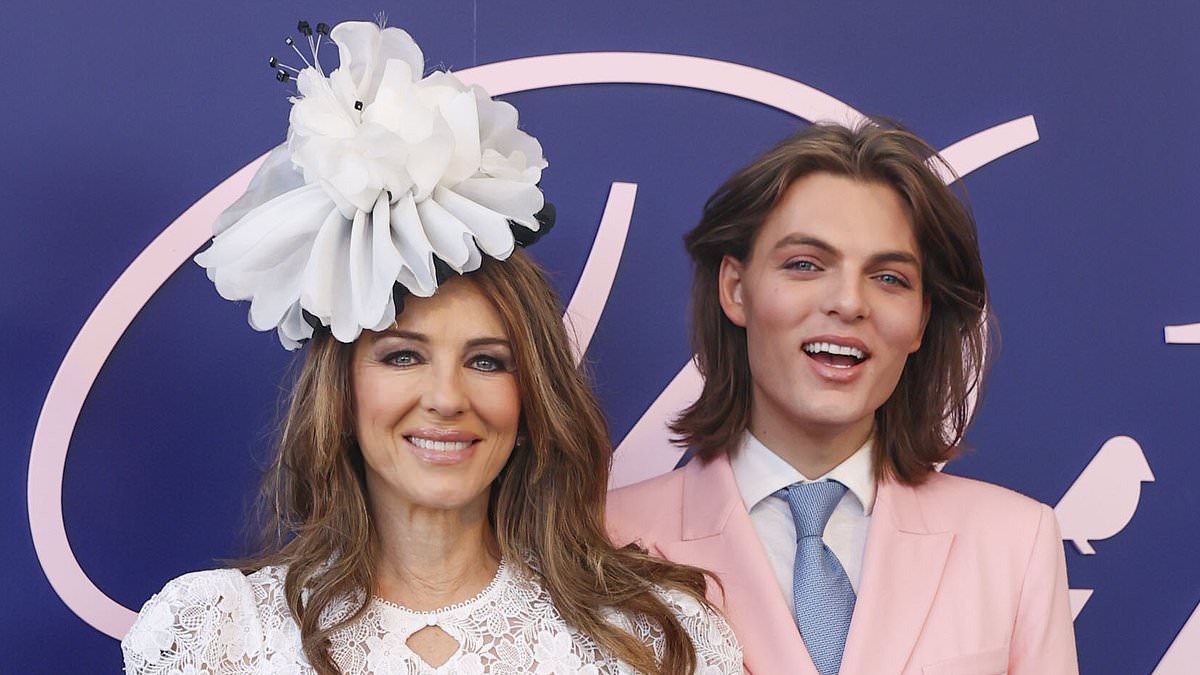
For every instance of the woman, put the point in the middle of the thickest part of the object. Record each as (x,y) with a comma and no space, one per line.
(839,320)
(437,501)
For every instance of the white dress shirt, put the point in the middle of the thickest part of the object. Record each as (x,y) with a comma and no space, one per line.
(759,473)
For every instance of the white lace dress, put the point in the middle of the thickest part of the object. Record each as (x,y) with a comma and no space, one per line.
(222,622)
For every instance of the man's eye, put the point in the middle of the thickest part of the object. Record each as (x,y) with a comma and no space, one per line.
(802,265)
(893,280)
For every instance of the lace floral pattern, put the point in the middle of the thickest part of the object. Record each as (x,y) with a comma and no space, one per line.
(224,623)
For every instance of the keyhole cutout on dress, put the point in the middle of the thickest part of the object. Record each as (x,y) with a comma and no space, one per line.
(433,645)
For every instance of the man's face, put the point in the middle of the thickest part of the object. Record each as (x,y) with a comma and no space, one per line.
(832,303)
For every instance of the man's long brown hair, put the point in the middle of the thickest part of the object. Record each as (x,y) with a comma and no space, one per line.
(923,421)
(546,505)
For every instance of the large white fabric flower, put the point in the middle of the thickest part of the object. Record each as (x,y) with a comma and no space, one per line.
(382,171)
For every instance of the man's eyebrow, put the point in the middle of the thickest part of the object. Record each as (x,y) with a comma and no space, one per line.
(806,240)
(903,257)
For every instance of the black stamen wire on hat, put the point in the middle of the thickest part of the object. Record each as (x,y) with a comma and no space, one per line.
(281,70)
(322,31)
(292,43)
(284,72)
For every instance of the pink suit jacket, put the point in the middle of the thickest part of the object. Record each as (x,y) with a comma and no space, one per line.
(959,576)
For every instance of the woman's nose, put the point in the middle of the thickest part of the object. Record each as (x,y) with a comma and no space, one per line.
(446,395)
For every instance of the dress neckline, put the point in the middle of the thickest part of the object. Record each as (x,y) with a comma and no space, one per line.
(502,574)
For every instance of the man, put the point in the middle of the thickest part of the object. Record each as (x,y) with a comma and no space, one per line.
(838,318)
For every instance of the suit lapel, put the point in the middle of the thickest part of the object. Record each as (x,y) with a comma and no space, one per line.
(902,569)
(717,534)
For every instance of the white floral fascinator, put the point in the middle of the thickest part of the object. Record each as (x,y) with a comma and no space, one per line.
(388,182)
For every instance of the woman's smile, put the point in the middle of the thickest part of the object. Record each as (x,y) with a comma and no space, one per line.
(436,403)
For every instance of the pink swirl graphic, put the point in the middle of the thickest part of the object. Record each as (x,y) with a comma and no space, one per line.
(121,303)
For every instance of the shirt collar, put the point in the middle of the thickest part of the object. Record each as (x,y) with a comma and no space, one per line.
(759,473)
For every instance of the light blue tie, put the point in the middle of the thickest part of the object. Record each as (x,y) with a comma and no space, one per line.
(822,591)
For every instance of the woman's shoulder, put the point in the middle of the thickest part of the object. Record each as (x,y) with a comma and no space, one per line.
(209,587)
(198,616)
(717,649)
(227,587)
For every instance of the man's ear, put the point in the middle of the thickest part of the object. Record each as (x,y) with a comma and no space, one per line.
(924,324)
(729,287)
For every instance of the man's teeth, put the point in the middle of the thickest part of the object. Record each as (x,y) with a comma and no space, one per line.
(830,348)
(439,446)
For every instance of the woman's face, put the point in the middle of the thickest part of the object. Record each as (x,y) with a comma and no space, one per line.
(832,304)
(436,402)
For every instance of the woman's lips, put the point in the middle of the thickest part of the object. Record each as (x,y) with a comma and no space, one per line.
(449,448)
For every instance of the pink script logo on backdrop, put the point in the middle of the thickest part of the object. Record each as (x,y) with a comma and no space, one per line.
(180,240)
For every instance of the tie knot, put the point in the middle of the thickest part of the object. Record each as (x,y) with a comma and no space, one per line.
(812,504)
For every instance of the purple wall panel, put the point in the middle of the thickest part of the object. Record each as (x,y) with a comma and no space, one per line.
(119,116)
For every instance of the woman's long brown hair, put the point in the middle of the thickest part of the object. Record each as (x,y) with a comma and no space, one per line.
(547,504)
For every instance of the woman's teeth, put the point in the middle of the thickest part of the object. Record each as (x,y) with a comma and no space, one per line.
(438,446)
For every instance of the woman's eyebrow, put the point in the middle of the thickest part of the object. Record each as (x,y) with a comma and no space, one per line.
(405,334)
(489,341)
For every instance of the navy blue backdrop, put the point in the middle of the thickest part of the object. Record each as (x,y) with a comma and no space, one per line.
(118,116)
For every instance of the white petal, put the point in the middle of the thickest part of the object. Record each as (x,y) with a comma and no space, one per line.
(358,50)
(293,329)
(448,235)
(438,88)
(415,122)
(428,160)
(489,227)
(363,48)
(345,90)
(496,118)
(498,130)
(388,317)
(410,241)
(293,214)
(319,112)
(385,267)
(463,119)
(398,44)
(359,263)
(326,264)
(353,182)
(278,287)
(374,264)
(387,108)
(344,205)
(474,257)
(516,200)
(276,176)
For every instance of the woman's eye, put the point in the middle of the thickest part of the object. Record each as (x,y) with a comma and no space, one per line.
(488,364)
(402,358)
